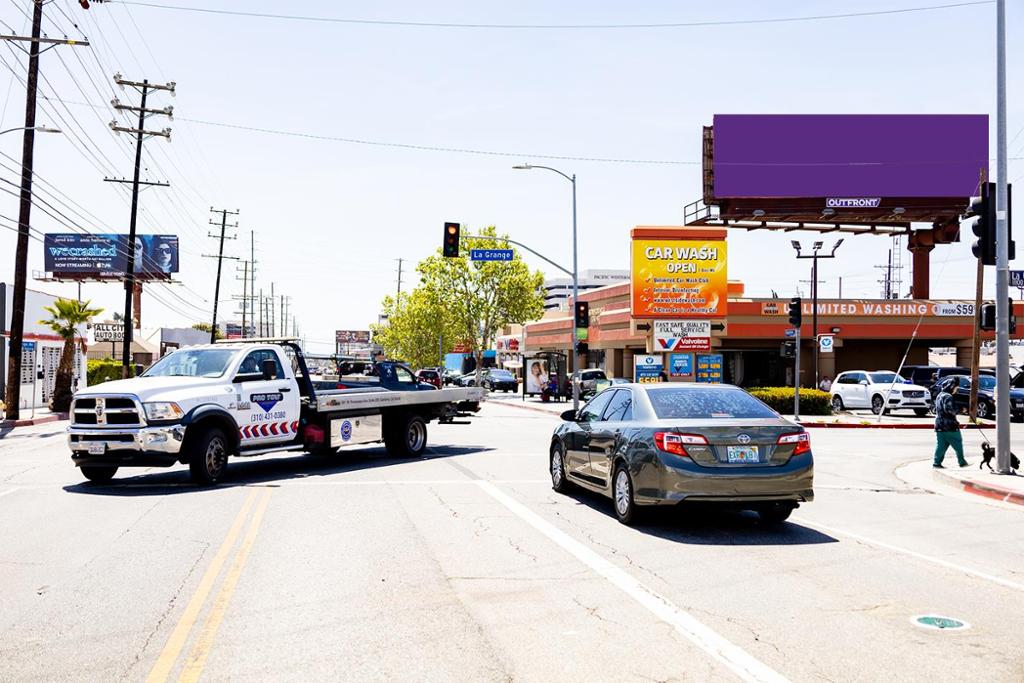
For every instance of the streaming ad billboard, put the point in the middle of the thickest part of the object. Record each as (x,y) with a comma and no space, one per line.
(107,255)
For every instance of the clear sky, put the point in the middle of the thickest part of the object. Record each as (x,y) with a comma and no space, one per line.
(331,217)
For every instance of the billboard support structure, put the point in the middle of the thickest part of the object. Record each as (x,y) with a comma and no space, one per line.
(129,280)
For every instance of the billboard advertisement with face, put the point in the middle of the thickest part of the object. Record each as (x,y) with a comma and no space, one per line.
(537,376)
(107,255)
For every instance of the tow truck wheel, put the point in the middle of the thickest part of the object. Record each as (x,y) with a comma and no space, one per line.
(407,438)
(98,474)
(209,458)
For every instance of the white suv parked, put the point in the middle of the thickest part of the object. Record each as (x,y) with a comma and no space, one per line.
(868,389)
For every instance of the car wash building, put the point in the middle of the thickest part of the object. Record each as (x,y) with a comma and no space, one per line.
(854,176)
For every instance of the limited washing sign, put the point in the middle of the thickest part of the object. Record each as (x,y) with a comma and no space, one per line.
(682,335)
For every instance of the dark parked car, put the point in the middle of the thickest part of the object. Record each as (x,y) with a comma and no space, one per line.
(927,375)
(646,445)
(986,397)
(430,376)
(494,379)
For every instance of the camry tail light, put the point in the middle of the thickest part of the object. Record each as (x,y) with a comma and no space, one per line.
(801,442)
(672,442)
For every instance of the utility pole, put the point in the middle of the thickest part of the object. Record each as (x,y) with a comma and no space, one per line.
(260,333)
(12,398)
(220,258)
(972,409)
(141,133)
(252,272)
(271,319)
(1002,255)
(245,297)
(815,249)
(399,280)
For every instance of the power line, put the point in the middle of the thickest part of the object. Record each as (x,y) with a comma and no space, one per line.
(530,27)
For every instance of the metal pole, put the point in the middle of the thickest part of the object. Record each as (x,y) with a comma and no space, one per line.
(129,275)
(575,299)
(1002,255)
(17,332)
(216,287)
(814,314)
(796,379)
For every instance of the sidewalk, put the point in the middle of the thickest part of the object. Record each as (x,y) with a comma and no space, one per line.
(42,416)
(844,420)
(980,482)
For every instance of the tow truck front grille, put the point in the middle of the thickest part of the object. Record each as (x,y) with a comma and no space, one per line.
(103,411)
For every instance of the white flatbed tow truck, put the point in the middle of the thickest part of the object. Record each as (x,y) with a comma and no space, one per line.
(201,404)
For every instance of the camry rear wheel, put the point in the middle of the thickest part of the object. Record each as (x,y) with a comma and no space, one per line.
(557,467)
(622,496)
(776,513)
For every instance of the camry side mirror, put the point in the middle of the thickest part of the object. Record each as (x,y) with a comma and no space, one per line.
(569,416)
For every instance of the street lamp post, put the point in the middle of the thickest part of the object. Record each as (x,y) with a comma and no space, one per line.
(575,279)
(38,129)
(815,255)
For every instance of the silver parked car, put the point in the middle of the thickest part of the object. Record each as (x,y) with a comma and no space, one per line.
(663,444)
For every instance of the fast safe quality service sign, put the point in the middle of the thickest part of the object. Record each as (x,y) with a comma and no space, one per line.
(673,278)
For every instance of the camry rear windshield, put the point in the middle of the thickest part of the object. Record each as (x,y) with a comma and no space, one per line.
(692,402)
(192,363)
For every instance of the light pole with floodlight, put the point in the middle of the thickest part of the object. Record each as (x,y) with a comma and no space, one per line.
(815,255)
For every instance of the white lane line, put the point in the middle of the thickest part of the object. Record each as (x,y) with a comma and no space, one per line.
(921,556)
(4,493)
(738,660)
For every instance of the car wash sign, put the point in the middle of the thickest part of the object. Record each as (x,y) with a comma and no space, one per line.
(682,335)
(677,278)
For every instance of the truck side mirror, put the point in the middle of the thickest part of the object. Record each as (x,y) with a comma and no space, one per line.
(269,368)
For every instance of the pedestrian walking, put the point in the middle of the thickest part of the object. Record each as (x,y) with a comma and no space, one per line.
(947,428)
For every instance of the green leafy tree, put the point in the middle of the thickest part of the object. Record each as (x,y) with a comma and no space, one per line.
(205,327)
(419,329)
(65,317)
(482,297)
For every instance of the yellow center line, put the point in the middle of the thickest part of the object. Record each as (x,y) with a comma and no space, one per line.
(176,641)
(204,642)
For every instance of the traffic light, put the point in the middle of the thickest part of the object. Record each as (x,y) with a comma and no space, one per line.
(795,312)
(582,314)
(983,224)
(451,240)
(582,348)
(988,317)
(788,349)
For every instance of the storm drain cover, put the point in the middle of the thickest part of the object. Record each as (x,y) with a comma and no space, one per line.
(939,623)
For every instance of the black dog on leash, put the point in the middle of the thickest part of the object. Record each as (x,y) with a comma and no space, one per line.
(988,453)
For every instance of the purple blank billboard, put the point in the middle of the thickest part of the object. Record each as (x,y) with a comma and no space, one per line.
(849,155)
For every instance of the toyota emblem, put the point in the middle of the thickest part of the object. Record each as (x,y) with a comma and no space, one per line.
(743,438)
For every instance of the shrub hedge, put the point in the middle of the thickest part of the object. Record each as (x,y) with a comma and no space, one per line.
(780,399)
(99,370)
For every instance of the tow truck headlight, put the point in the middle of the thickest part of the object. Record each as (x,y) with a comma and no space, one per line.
(163,411)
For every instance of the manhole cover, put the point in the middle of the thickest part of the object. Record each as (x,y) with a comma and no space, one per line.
(939,623)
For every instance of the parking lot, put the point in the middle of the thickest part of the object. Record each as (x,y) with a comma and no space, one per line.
(465,565)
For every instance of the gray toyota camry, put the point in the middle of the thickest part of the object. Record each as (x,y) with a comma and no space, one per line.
(663,444)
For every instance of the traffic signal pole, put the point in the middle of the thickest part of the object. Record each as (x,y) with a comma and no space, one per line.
(796,379)
(1002,255)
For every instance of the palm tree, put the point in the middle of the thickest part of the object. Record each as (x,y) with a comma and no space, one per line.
(65,317)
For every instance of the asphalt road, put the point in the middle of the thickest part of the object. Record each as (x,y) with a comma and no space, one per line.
(465,565)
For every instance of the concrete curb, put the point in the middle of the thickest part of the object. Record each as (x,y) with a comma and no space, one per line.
(9,424)
(981,488)
(858,425)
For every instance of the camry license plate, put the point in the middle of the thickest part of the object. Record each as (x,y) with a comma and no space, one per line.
(96,448)
(742,454)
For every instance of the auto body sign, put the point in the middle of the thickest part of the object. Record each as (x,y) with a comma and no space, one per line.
(677,278)
(682,335)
